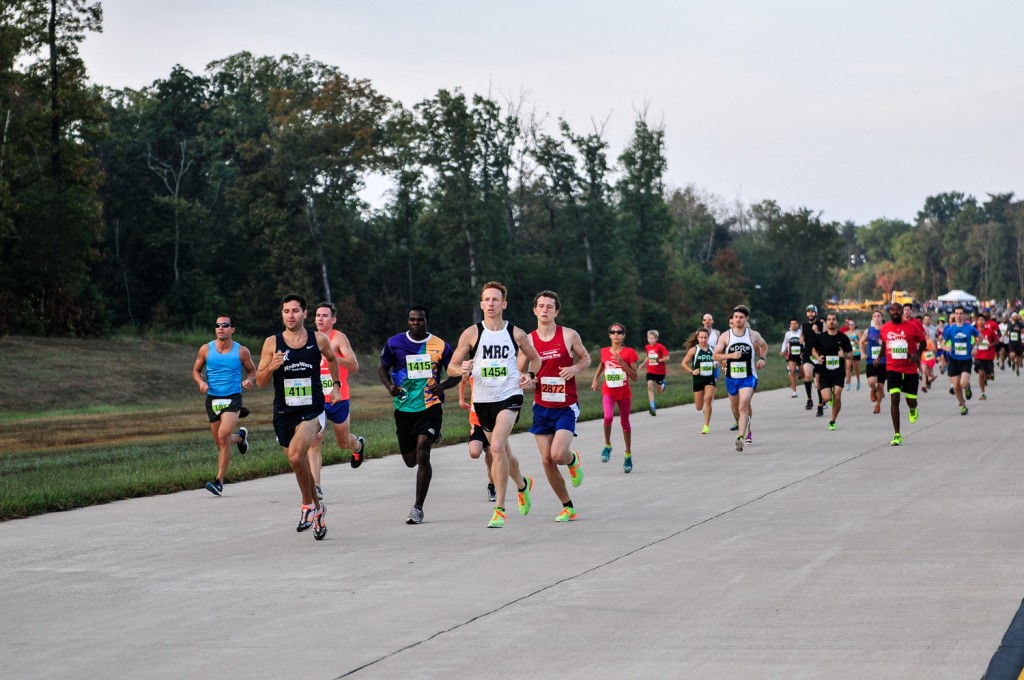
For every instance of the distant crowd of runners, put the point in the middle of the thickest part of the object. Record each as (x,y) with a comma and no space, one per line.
(494,364)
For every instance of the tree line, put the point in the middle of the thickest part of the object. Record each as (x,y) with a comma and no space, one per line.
(199,194)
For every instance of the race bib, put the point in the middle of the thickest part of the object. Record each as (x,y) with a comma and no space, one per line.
(794,350)
(1014,336)
(899,350)
(737,370)
(831,363)
(707,368)
(493,372)
(552,389)
(298,391)
(652,358)
(960,348)
(218,405)
(929,355)
(419,366)
(983,345)
(326,383)
(876,351)
(614,377)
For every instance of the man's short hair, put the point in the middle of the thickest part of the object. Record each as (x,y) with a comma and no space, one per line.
(330,306)
(420,308)
(230,318)
(743,309)
(294,297)
(654,333)
(497,286)
(959,307)
(546,293)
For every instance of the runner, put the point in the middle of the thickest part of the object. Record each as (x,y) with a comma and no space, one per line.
(337,413)
(477,439)
(791,350)
(853,358)
(1003,348)
(617,368)
(708,322)
(985,352)
(831,350)
(959,340)
(555,407)
(291,359)
(224,361)
(700,362)
(488,351)
(1015,336)
(656,358)
(941,357)
(809,332)
(410,368)
(928,357)
(738,347)
(874,369)
(902,342)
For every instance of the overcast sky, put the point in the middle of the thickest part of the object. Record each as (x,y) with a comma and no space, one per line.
(857,109)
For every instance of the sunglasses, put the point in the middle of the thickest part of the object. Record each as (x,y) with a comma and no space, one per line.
(222,325)
(616,332)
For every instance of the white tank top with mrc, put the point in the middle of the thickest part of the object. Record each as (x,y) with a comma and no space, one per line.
(495,371)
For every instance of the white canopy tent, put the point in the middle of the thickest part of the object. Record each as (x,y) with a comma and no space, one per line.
(957,296)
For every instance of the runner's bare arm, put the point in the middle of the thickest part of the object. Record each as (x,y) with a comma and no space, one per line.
(575,345)
(270,361)
(250,368)
(197,370)
(461,361)
(348,359)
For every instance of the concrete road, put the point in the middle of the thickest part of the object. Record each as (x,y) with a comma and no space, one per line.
(811,554)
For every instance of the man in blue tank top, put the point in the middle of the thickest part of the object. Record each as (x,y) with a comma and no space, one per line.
(229,369)
(291,359)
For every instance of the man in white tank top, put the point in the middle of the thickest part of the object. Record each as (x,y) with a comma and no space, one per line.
(743,351)
(488,351)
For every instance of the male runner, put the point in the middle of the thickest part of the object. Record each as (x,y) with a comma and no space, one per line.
(1015,336)
(959,341)
(809,332)
(292,360)
(555,407)
(791,350)
(338,413)
(831,350)
(985,352)
(737,347)
(224,360)
(655,359)
(902,343)
(874,368)
(488,351)
(410,368)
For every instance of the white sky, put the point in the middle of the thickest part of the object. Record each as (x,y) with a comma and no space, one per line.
(858,109)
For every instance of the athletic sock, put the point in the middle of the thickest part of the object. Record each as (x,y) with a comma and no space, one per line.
(807,388)
(567,504)
(627,454)
(525,484)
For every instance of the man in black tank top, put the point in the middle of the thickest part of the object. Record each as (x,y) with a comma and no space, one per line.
(291,359)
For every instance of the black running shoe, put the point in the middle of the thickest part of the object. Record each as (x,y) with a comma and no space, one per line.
(216,487)
(968,393)
(357,456)
(243,445)
(820,412)
(306,513)
(809,405)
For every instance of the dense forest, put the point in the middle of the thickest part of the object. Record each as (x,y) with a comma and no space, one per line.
(220,191)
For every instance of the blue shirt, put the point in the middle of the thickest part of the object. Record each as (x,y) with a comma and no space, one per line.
(960,339)
(223,371)
(874,336)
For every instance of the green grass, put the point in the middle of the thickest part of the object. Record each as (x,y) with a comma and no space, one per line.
(111,419)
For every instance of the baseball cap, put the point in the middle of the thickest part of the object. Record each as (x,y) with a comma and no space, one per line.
(811,308)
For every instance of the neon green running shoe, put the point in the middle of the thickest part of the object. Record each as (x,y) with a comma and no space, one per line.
(606,454)
(524,497)
(567,515)
(705,430)
(576,469)
(832,426)
(913,415)
(897,440)
(497,519)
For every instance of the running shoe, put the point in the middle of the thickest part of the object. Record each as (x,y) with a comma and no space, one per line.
(357,456)
(832,426)
(858,385)
(794,394)
(897,440)
(216,487)
(492,495)
(968,393)
(627,464)
(662,385)
(439,438)
(319,493)
(924,388)
(982,397)
(913,415)
(809,405)
(606,454)
(878,408)
(963,410)
(415,516)
(576,469)
(750,435)
(705,430)
(306,513)
(497,519)
(652,411)
(524,497)
(735,427)
(243,444)
(319,523)
(820,412)
(952,391)
(566,515)
(739,443)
